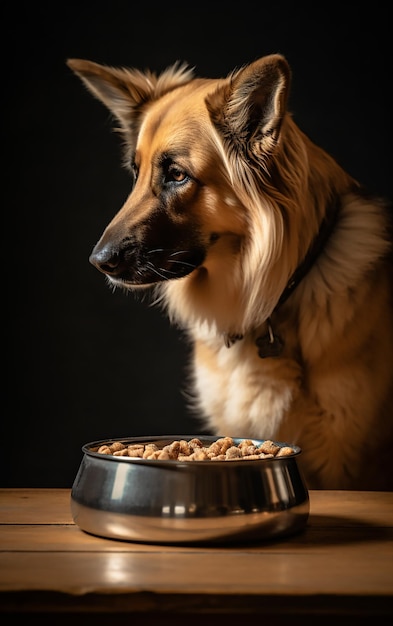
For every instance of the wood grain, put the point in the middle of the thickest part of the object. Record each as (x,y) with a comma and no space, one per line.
(341,565)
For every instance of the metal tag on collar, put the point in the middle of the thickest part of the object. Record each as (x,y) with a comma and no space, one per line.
(229,340)
(269,345)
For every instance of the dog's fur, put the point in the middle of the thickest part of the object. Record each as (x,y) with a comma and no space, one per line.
(228,198)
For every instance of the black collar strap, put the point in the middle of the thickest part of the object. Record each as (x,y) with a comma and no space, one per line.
(327,226)
(270,344)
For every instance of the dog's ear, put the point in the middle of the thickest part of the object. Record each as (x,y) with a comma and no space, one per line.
(125,91)
(248,110)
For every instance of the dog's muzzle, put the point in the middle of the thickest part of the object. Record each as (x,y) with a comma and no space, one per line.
(133,264)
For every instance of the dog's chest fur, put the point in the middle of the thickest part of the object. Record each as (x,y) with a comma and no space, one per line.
(239,390)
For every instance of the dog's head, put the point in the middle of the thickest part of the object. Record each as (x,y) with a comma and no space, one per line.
(208,204)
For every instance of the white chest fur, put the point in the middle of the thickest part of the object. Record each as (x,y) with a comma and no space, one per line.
(240,393)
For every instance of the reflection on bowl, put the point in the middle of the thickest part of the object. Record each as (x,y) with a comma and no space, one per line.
(174,502)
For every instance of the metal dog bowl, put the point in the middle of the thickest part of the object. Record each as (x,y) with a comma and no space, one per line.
(180,502)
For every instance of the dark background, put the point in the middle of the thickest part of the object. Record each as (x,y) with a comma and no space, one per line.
(83,363)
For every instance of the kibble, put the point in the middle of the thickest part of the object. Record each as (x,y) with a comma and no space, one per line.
(223,449)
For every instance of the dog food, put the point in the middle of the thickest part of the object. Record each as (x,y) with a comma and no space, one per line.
(223,449)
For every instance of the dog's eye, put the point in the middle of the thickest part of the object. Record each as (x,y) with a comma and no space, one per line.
(176,175)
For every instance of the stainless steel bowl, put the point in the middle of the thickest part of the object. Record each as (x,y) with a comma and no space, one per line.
(178,502)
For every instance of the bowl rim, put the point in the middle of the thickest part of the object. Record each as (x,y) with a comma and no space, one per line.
(165,439)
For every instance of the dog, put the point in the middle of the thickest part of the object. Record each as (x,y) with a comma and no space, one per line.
(273,259)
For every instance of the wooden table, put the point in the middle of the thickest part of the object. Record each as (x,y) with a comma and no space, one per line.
(338,570)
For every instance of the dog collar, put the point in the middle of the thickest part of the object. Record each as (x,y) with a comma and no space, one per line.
(327,226)
(270,344)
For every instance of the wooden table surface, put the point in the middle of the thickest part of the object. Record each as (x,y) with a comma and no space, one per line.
(339,569)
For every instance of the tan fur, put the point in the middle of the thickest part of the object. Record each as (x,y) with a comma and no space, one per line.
(229,195)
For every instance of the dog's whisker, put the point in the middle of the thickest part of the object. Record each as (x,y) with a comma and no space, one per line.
(155,250)
(185,263)
(160,250)
(156,271)
(178,252)
(163,269)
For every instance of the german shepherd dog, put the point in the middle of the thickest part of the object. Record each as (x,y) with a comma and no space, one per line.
(275,262)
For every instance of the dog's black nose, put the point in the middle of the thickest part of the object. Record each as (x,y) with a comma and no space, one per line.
(106,259)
